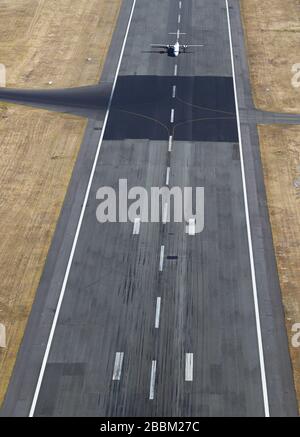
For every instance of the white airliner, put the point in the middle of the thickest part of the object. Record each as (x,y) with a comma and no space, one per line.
(174,50)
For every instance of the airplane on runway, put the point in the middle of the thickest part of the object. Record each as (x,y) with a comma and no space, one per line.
(174,50)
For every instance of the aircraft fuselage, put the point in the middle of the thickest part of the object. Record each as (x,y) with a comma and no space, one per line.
(173,51)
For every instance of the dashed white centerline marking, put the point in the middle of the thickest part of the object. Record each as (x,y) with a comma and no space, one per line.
(152,381)
(192,226)
(170,143)
(118,366)
(165,213)
(174,91)
(161,261)
(172,115)
(157,314)
(175,70)
(136,226)
(178,34)
(180,5)
(189,367)
(168,176)
(179,19)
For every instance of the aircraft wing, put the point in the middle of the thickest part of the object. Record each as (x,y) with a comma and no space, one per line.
(161,46)
(192,45)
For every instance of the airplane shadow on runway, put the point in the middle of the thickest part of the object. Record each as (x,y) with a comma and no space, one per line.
(204,107)
(85,101)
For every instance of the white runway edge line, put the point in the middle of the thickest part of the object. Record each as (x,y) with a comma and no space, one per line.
(157,313)
(253,273)
(118,366)
(63,289)
(189,367)
(152,381)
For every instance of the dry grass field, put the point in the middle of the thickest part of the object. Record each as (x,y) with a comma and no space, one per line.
(64,42)
(280,150)
(272,29)
(40,41)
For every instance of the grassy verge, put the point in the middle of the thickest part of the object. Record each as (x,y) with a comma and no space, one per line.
(272,30)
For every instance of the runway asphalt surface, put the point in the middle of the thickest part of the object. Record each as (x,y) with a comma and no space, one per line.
(148,320)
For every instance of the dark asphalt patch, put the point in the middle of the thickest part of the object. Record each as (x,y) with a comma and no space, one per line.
(204,109)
